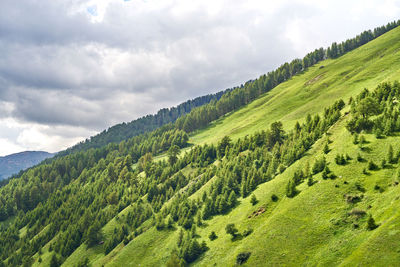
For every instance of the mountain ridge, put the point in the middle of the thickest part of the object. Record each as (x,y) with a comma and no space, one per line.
(312,182)
(16,162)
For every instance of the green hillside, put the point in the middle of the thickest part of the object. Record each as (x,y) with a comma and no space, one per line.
(312,91)
(314,226)
(306,174)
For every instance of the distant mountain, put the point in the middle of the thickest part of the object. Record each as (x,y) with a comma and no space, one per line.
(12,164)
(281,171)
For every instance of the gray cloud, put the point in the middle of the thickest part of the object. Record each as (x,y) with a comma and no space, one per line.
(65,74)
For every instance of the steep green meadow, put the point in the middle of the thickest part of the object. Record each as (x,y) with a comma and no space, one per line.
(313,90)
(321,225)
(313,227)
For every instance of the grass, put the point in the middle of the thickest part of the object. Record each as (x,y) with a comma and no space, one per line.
(314,227)
(313,90)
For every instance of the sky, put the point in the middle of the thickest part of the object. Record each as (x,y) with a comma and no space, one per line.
(72,68)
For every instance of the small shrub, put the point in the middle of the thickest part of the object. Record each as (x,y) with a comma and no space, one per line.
(247,232)
(352,199)
(371,225)
(360,158)
(253,200)
(359,187)
(242,257)
(355,139)
(340,159)
(372,166)
(212,236)
(326,148)
(274,198)
(383,163)
(231,230)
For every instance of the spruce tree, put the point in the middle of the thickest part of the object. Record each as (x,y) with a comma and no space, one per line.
(253,199)
(390,158)
(326,148)
(291,188)
(212,236)
(371,225)
(232,199)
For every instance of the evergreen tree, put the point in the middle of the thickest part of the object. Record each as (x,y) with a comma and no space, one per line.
(175,261)
(54,261)
(310,181)
(390,157)
(232,199)
(371,225)
(291,188)
(326,148)
(253,200)
(173,153)
(212,236)
(231,230)
(93,236)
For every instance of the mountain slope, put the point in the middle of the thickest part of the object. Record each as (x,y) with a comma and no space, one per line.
(103,210)
(123,131)
(291,101)
(12,164)
(312,91)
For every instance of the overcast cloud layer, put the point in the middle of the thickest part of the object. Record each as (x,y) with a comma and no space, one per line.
(71,68)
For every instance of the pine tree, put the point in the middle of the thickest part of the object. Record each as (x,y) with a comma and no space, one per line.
(54,261)
(180,238)
(390,158)
(253,200)
(371,225)
(212,236)
(326,148)
(232,199)
(231,230)
(307,169)
(291,188)
(310,181)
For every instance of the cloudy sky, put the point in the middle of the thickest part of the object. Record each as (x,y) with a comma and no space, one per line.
(71,68)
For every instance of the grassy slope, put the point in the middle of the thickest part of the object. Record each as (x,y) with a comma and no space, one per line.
(313,227)
(313,90)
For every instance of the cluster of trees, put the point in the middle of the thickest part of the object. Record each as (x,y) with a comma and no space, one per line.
(336,50)
(123,131)
(104,183)
(376,111)
(238,97)
(197,113)
(238,174)
(68,200)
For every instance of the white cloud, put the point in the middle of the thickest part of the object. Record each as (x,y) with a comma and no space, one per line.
(74,67)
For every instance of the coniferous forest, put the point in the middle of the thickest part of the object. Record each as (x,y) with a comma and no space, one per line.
(301,186)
